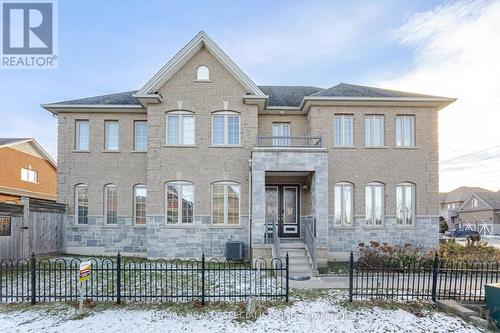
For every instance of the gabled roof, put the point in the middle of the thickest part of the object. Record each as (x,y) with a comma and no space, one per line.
(9,142)
(124,98)
(492,199)
(186,53)
(352,90)
(461,194)
(287,95)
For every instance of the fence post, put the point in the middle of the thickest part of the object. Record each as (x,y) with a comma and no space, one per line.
(118,278)
(351,275)
(33,278)
(435,277)
(287,292)
(203,278)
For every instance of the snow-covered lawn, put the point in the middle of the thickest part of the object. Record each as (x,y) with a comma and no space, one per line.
(325,313)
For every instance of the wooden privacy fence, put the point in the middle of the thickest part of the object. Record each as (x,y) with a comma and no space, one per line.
(36,226)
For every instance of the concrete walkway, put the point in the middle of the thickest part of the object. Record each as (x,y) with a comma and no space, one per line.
(322,282)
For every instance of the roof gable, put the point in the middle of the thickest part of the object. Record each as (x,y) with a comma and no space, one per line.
(34,148)
(186,53)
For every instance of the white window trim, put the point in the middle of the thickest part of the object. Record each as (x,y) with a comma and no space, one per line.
(135,134)
(106,204)
(77,203)
(179,201)
(106,140)
(181,115)
(226,115)
(135,203)
(342,211)
(342,130)
(77,134)
(373,185)
(198,73)
(28,172)
(414,204)
(226,211)
(403,130)
(382,130)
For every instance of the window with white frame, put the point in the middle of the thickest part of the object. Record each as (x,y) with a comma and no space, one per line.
(343,204)
(475,203)
(203,73)
(29,175)
(180,202)
(374,203)
(180,128)
(111,138)
(226,128)
(405,131)
(226,203)
(342,131)
(140,197)
(140,135)
(82,204)
(374,130)
(110,204)
(405,204)
(81,135)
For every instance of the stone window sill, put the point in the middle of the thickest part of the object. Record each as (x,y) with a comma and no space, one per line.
(225,146)
(202,81)
(376,147)
(344,147)
(179,146)
(110,151)
(179,226)
(403,147)
(225,226)
(139,151)
(80,151)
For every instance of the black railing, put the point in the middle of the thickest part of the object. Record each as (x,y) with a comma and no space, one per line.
(120,279)
(423,279)
(290,141)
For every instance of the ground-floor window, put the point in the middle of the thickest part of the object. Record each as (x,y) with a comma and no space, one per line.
(343,193)
(405,204)
(180,202)
(110,204)
(374,203)
(82,204)
(140,197)
(226,203)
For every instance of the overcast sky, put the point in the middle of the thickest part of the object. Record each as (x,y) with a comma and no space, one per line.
(446,48)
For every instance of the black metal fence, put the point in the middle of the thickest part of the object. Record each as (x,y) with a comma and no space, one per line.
(425,279)
(120,279)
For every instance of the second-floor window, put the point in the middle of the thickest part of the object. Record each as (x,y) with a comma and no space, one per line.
(343,204)
(342,136)
(29,175)
(110,204)
(225,128)
(180,128)
(140,135)
(82,135)
(281,132)
(374,203)
(111,137)
(374,131)
(405,131)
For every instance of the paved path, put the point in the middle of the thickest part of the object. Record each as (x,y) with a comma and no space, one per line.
(322,282)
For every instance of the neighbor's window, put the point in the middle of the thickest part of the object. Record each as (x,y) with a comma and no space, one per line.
(180,202)
(140,135)
(343,204)
(110,204)
(29,175)
(180,128)
(225,203)
(374,203)
(225,128)
(343,130)
(474,203)
(202,73)
(82,204)
(140,197)
(374,131)
(82,135)
(405,131)
(405,204)
(111,130)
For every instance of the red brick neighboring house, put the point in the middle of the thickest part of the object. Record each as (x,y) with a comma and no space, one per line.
(26,170)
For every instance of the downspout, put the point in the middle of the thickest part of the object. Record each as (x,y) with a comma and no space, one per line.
(250,252)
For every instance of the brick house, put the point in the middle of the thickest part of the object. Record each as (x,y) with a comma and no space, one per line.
(201,155)
(26,170)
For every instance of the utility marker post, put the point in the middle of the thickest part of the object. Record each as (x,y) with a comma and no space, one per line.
(85,268)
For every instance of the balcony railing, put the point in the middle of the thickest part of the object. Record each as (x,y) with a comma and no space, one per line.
(290,141)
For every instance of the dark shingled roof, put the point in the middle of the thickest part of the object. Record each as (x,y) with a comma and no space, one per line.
(287,95)
(6,141)
(124,98)
(461,194)
(352,90)
(491,198)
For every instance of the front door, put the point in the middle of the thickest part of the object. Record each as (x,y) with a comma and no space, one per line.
(282,206)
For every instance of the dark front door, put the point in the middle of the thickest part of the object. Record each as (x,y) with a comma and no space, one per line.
(282,206)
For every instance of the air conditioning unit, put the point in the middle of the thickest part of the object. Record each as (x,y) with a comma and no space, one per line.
(234,250)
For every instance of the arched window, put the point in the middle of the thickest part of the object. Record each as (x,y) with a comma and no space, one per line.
(343,203)
(405,204)
(374,203)
(180,128)
(203,73)
(110,204)
(474,203)
(226,197)
(180,202)
(82,204)
(225,128)
(140,197)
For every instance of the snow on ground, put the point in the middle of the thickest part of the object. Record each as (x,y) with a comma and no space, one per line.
(324,314)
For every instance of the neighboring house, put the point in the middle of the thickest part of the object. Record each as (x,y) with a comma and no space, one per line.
(26,170)
(481,212)
(450,203)
(201,155)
